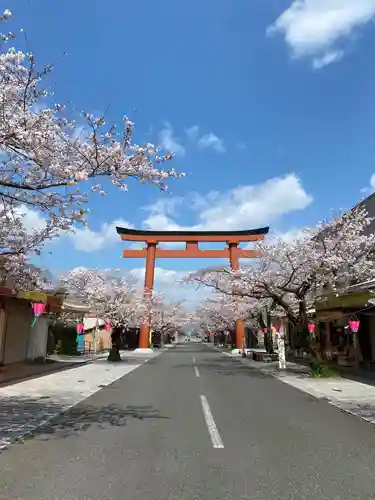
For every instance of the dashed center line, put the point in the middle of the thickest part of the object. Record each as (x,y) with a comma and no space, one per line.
(193,360)
(217,442)
(197,374)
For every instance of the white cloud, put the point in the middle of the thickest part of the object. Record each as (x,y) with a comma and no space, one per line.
(31,219)
(211,141)
(192,132)
(244,207)
(205,141)
(169,142)
(162,276)
(290,235)
(328,58)
(313,28)
(87,240)
(371,188)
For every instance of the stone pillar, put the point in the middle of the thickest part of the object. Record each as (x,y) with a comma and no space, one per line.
(144,331)
(240,325)
(281,346)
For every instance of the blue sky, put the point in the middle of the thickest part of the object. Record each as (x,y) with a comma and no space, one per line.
(269,105)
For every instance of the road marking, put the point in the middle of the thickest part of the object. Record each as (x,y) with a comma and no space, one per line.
(210,422)
(193,360)
(196,371)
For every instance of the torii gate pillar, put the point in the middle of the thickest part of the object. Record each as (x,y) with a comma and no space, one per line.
(144,331)
(235,265)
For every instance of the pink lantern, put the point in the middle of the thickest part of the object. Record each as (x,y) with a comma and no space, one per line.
(354,325)
(265,330)
(38,308)
(311,327)
(107,326)
(80,328)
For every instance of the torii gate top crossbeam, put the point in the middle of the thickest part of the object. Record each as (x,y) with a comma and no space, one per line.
(203,236)
(192,240)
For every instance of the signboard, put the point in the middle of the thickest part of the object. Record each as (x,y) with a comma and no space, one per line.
(348,300)
(34,296)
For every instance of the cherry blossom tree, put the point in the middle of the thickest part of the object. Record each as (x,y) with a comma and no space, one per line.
(167,317)
(15,246)
(289,275)
(219,312)
(108,293)
(50,162)
(332,255)
(112,296)
(214,315)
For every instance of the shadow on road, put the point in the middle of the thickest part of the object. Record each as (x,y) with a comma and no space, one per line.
(22,419)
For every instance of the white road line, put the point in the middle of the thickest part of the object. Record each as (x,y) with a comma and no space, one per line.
(196,371)
(193,360)
(211,426)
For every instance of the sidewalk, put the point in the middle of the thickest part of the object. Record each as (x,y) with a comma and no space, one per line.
(21,371)
(27,405)
(352,396)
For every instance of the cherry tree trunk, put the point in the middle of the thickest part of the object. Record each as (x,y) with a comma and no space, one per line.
(114,354)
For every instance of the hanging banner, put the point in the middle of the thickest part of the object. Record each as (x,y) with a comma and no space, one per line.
(33,296)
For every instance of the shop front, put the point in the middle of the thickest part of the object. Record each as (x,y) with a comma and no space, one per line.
(336,340)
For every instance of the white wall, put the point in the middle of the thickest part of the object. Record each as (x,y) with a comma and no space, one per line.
(18,320)
(38,336)
(90,323)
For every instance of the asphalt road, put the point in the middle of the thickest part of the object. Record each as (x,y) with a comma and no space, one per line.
(193,424)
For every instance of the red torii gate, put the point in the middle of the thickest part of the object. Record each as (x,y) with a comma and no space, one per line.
(191,250)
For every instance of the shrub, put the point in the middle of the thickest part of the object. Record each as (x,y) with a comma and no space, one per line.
(319,370)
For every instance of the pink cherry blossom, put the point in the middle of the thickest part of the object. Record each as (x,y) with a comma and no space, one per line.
(113,297)
(289,275)
(47,157)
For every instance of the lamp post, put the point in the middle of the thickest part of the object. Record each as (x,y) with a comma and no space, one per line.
(354,327)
